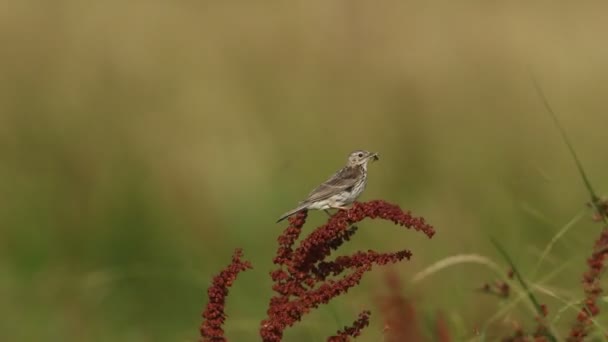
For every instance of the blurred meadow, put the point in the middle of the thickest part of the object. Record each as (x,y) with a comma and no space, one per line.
(142,142)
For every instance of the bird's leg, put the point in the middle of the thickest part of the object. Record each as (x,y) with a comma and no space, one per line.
(345,208)
(327,212)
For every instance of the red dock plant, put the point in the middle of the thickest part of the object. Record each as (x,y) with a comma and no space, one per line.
(591,278)
(214,314)
(401,319)
(305,278)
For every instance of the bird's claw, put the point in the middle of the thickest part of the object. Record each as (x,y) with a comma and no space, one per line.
(348,215)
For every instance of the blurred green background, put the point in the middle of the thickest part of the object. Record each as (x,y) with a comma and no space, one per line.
(141,142)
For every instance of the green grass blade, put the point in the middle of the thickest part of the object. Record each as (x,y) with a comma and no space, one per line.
(562,131)
(523,284)
(554,239)
(575,305)
(594,198)
(455,260)
(520,296)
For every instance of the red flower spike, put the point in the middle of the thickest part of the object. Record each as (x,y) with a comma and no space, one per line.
(592,288)
(359,259)
(316,247)
(289,237)
(354,330)
(214,315)
(304,279)
(303,282)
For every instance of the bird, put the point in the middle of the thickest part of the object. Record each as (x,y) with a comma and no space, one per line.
(341,189)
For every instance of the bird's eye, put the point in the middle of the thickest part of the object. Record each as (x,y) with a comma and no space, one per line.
(360,155)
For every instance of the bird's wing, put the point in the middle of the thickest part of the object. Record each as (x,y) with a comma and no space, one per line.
(340,181)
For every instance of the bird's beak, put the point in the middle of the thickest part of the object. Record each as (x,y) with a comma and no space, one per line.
(375,157)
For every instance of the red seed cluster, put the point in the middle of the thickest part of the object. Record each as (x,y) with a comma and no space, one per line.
(305,279)
(498,287)
(386,211)
(592,288)
(542,331)
(352,331)
(284,311)
(540,334)
(502,289)
(330,236)
(214,315)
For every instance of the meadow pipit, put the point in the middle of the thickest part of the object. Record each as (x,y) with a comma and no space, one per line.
(342,188)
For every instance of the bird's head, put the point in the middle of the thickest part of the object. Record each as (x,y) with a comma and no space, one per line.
(361,157)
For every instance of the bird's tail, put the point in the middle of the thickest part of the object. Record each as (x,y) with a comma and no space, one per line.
(299,208)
